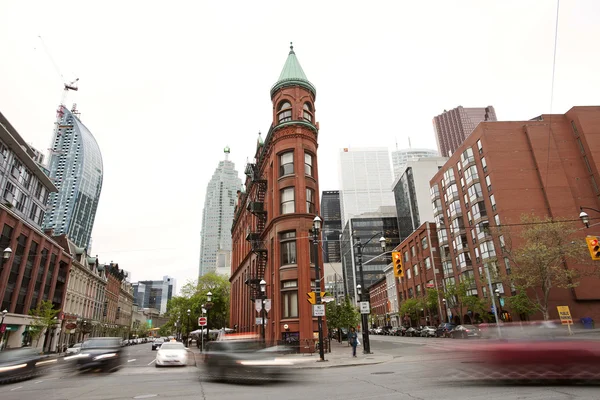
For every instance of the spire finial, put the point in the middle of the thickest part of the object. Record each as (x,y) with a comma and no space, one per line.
(292,48)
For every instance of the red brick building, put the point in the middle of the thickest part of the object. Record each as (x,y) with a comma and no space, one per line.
(37,270)
(420,258)
(548,166)
(113,289)
(271,234)
(378,297)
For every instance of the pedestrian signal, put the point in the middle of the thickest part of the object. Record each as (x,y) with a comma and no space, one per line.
(593,246)
(397,261)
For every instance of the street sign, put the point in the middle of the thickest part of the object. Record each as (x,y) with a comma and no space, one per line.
(319,310)
(202,321)
(258,305)
(565,315)
(429,285)
(267,305)
(501,301)
(327,299)
(259,320)
(493,309)
(365,307)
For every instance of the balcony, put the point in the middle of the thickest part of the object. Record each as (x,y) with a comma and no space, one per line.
(258,245)
(256,207)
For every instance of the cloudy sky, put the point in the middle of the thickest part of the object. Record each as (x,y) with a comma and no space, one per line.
(164,86)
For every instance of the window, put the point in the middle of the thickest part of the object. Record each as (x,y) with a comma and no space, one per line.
(308,164)
(427,263)
(307,112)
(484,165)
(497,219)
(289,306)
(475,192)
(488,182)
(284,113)
(286,163)
(416,270)
(467,157)
(408,274)
(424,243)
(287,201)
(479,211)
(9,191)
(493,201)
(287,245)
(471,174)
(310,201)
(487,250)
(412,251)
(479,146)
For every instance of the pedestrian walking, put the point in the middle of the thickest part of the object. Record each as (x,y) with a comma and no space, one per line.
(353,340)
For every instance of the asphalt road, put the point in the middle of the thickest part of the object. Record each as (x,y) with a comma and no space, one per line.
(418,371)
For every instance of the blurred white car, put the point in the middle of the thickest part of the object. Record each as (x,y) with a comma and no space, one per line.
(74,349)
(171,353)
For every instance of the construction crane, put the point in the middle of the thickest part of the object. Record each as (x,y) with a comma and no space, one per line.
(66,85)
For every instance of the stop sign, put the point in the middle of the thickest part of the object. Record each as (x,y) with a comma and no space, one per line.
(202,321)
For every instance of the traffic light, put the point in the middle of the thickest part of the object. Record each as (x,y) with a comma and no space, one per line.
(593,246)
(397,261)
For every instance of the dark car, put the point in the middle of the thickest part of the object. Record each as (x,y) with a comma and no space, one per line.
(157,343)
(104,353)
(443,329)
(465,331)
(413,331)
(22,363)
(243,360)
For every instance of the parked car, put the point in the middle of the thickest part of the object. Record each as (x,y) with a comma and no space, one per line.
(157,343)
(412,331)
(428,331)
(73,349)
(465,331)
(22,363)
(444,329)
(104,353)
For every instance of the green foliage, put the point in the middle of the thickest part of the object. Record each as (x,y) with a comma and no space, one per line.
(458,297)
(521,304)
(412,308)
(42,319)
(342,315)
(431,300)
(193,296)
(538,263)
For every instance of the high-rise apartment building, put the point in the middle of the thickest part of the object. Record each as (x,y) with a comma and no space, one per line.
(365,178)
(549,166)
(332,225)
(75,166)
(154,294)
(217,217)
(401,157)
(369,228)
(411,193)
(454,126)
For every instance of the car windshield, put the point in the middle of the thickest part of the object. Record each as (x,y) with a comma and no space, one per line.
(101,343)
(172,346)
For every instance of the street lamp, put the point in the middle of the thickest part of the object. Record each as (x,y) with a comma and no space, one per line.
(362,293)
(208,305)
(316,229)
(263,292)
(187,340)
(7,253)
(445,310)
(4,312)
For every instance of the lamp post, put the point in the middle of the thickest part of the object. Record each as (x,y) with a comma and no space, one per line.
(445,310)
(585,218)
(208,305)
(316,229)
(187,339)
(263,292)
(362,290)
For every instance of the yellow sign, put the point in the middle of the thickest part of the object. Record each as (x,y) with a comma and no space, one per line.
(312,297)
(565,315)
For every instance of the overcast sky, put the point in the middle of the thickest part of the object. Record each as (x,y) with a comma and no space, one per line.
(165,86)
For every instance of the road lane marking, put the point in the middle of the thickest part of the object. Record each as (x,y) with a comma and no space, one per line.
(38,382)
(152,361)
(133,359)
(18,387)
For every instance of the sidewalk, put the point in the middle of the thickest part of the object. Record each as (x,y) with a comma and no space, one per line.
(340,356)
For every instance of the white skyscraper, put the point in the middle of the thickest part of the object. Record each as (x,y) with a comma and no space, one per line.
(403,156)
(365,178)
(217,217)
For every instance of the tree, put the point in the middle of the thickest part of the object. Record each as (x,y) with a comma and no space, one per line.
(193,296)
(342,315)
(42,319)
(431,301)
(539,263)
(412,308)
(521,304)
(460,297)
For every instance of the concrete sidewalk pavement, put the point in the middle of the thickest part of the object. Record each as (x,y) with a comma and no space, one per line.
(340,356)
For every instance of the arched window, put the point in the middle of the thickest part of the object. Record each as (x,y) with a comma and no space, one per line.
(307,112)
(285,112)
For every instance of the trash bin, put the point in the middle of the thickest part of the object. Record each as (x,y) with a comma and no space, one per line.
(587,323)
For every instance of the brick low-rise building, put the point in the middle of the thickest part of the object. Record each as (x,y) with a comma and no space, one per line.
(378,297)
(548,166)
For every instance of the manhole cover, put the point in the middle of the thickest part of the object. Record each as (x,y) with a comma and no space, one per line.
(145,396)
(382,373)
